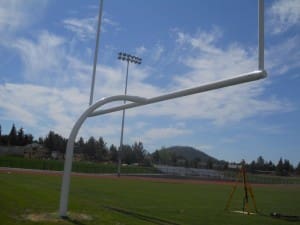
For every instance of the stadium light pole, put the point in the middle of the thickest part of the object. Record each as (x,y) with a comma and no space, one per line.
(129,59)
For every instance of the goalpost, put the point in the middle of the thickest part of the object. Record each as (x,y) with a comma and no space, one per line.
(136,101)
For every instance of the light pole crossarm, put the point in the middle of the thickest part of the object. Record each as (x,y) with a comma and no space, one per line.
(242,78)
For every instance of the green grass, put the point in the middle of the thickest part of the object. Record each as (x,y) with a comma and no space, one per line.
(83,167)
(188,204)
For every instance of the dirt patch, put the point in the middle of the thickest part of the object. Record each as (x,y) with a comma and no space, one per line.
(54,217)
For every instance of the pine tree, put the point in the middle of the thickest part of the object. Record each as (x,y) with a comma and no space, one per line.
(28,139)
(155,156)
(101,153)
(279,167)
(90,148)
(139,152)
(297,170)
(12,137)
(20,137)
(113,153)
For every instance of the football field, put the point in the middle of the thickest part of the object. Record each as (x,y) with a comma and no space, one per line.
(34,199)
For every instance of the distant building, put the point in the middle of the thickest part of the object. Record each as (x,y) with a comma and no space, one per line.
(35,151)
(12,151)
(182,171)
(234,166)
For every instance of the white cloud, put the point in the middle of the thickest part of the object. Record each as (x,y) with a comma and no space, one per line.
(85,28)
(203,58)
(156,134)
(42,58)
(283,57)
(207,62)
(284,14)
(110,22)
(15,14)
(140,50)
(202,41)
(157,52)
(46,108)
(49,61)
(204,147)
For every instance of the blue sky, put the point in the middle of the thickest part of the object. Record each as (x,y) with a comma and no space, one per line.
(46,56)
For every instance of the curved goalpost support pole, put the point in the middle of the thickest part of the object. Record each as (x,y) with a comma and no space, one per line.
(64,195)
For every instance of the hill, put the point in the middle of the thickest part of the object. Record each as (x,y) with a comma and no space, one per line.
(185,152)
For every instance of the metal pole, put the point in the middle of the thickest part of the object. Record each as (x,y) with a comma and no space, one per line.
(261,34)
(122,126)
(96,52)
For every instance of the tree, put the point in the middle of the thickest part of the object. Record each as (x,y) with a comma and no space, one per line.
(287,167)
(90,149)
(28,139)
(260,162)
(49,141)
(81,142)
(101,150)
(147,160)
(12,137)
(139,152)
(127,155)
(279,167)
(113,153)
(155,157)
(297,170)
(79,145)
(20,137)
(270,166)
(252,167)
(41,141)
(54,142)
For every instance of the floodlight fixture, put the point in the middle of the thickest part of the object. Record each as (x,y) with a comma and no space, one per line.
(129,58)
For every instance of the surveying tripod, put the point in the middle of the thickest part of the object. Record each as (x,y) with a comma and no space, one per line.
(242,176)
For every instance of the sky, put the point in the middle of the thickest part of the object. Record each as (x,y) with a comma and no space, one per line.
(46,60)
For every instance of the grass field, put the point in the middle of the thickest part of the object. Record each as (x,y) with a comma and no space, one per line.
(82,167)
(113,201)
